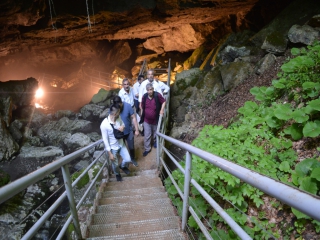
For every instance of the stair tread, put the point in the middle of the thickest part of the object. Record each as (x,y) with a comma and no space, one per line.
(133,215)
(133,184)
(172,234)
(138,205)
(132,192)
(134,178)
(140,197)
(149,225)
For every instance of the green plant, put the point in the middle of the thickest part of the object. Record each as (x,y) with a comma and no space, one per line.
(262,139)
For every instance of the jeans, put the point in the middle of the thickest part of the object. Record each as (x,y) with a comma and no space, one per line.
(125,159)
(149,131)
(129,139)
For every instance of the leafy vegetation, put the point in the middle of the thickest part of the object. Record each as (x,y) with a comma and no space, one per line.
(262,140)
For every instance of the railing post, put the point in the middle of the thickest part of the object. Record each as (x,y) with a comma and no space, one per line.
(158,142)
(187,179)
(72,204)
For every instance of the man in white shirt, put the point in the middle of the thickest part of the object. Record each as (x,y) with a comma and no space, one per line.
(112,145)
(136,88)
(164,87)
(126,93)
(150,79)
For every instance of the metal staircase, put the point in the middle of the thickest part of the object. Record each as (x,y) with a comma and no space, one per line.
(136,208)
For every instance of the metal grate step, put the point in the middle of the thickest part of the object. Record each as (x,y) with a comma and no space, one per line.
(172,234)
(144,226)
(133,192)
(112,186)
(133,215)
(137,206)
(129,199)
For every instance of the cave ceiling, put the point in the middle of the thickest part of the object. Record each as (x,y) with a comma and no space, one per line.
(31,27)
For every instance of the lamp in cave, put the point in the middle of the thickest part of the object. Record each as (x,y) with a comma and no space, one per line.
(39,93)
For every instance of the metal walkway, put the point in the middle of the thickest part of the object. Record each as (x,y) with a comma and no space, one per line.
(136,208)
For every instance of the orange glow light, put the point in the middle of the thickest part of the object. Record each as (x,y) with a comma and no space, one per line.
(39,93)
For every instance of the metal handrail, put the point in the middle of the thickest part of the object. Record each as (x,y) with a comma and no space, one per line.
(306,203)
(11,189)
(294,197)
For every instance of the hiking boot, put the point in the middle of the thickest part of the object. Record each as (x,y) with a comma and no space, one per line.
(134,163)
(119,178)
(125,170)
(145,153)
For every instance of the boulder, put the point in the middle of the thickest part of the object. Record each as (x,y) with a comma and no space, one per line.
(209,87)
(76,141)
(303,34)
(21,91)
(40,156)
(230,53)
(32,116)
(51,135)
(297,12)
(91,111)
(101,96)
(6,108)
(234,73)
(31,140)
(265,63)
(186,79)
(275,43)
(64,113)
(8,146)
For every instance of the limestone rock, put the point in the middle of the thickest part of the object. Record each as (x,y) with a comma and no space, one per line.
(303,34)
(91,111)
(21,91)
(64,113)
(6,109)
(265,63)
(101,96)
(8,146)
(234,73)
(297,12)
(186,79)
(32,116)
(76,141)
(275,43)
(39,156)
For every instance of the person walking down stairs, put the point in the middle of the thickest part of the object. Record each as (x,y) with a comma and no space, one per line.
(152,106)
(111,127)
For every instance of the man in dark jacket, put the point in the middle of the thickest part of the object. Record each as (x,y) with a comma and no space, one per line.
(152,105)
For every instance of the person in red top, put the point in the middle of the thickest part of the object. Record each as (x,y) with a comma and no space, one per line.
(152,105)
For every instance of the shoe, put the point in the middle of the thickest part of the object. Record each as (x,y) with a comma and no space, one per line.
(125,170)
(145,153)
(119,178)
(155,145)
(134,163)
